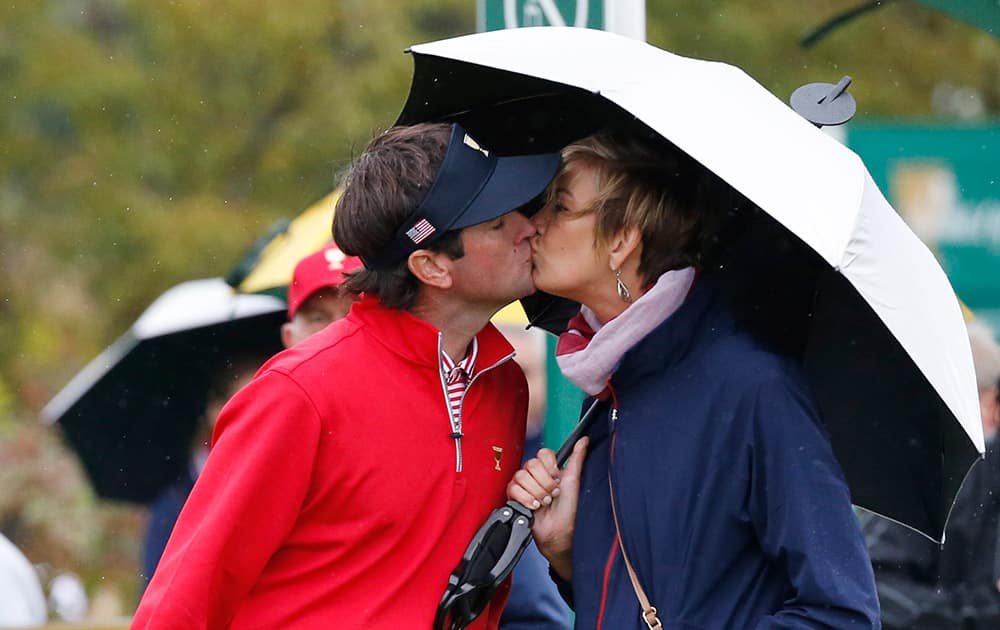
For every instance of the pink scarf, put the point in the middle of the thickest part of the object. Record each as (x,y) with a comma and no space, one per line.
(588,353)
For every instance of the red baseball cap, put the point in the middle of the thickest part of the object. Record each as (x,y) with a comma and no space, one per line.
(325,268)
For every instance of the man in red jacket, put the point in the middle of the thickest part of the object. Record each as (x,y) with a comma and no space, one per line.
(316,296)
(346,479)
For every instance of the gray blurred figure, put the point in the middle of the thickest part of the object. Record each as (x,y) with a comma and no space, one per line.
(68,598)
(924,586)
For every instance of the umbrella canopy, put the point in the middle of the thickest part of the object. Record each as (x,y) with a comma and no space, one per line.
(884,340)
(131,413)
(268,269)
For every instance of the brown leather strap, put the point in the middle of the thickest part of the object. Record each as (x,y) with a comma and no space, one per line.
(648,613)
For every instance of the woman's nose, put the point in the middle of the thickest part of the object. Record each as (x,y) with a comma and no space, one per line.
(541,219)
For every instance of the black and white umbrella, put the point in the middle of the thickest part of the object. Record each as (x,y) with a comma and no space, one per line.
(884,341)
(131,413)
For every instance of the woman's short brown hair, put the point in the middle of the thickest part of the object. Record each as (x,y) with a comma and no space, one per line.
(677,205)
(384,186)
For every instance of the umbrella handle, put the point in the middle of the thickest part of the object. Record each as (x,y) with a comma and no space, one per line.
(578,432)
(455,604)
(521,521)
(454,611)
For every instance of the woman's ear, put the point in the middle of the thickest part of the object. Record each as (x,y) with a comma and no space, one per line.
(431,268)
(623,245)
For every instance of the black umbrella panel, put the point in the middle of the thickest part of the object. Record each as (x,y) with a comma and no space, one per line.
(131,414)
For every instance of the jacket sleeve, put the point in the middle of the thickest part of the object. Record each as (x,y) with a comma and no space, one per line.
(801,509)
(243,505)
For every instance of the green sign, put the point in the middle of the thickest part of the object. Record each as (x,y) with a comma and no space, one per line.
(945,184)
(982,13)
(499,14)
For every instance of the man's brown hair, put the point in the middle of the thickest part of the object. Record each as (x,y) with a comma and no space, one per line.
(384,186)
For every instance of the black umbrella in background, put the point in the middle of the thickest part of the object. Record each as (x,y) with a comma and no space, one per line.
(132,412)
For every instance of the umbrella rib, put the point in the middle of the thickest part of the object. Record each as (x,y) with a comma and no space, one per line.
(509,101)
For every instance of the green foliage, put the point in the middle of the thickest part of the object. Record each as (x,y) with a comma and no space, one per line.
(143,143)
(146,143)
(896,54)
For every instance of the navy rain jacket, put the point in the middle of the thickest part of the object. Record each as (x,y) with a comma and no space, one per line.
(733,509)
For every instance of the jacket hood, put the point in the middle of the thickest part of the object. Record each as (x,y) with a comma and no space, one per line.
(700,318)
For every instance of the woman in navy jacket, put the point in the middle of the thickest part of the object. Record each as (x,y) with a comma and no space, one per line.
(731,507)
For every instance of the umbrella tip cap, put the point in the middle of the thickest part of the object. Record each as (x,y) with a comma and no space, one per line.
(825,104)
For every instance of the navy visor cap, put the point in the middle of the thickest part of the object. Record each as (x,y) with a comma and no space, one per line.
(471,187)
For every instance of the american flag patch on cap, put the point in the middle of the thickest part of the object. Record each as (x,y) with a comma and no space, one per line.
(420,231)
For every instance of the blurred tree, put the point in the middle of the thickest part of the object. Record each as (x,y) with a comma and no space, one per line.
(896,54)
(145,143)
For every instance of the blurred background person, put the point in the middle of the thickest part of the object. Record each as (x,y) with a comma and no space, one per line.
(922,585)
(231,376)
(986,357)
(315,297)
(529,344)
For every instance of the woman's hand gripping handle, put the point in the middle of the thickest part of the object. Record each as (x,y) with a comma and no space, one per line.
(553,496)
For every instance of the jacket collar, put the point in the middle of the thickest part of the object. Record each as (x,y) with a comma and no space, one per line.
(703,316)
(417,340)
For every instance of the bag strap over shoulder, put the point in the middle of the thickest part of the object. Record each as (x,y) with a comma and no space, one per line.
(648,612)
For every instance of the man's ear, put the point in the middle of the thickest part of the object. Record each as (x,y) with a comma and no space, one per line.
(431,268)
(623,245)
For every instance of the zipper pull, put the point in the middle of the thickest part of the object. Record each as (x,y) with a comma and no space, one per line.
(457,436)
(614,404)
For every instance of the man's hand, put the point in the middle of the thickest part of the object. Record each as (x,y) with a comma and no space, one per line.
(553,495)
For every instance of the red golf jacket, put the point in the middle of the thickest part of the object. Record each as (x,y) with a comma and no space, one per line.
(331,497)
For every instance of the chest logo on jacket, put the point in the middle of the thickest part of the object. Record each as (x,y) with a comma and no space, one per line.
(497,454)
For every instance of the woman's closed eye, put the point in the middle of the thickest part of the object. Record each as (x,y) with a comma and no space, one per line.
(556,209)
